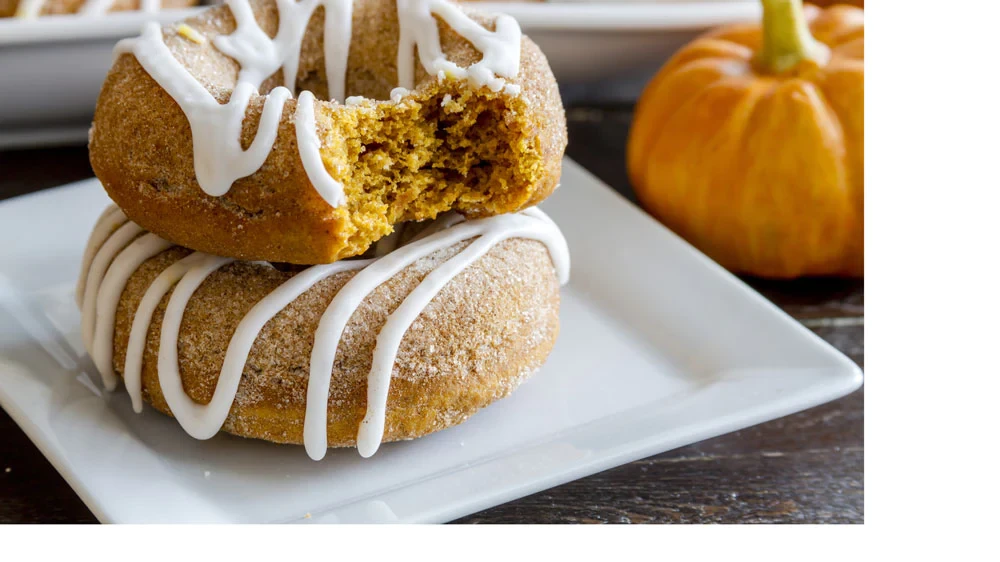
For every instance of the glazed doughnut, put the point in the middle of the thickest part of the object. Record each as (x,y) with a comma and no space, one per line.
(35,8)
(470,120)
(435,323)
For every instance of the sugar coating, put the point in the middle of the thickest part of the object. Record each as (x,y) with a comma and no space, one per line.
(484,153)
(479,338)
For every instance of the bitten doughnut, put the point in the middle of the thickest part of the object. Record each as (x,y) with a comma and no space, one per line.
(35,8)
(436,322)
(461,114)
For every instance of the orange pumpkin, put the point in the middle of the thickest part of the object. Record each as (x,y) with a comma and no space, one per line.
(749,143)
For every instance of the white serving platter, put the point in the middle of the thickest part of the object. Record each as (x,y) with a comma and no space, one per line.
(53,67)
(660,347)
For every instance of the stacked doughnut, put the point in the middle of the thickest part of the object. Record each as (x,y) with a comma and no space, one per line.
(324,229)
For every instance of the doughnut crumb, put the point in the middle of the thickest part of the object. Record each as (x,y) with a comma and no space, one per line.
(437,149)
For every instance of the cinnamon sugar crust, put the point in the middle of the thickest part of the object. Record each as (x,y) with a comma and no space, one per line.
(486,331)
(445,146)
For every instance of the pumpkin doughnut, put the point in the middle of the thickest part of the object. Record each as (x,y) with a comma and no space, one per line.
(433,324)
(35,8)
(470,121)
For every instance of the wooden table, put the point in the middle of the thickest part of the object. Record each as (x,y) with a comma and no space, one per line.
(807,467)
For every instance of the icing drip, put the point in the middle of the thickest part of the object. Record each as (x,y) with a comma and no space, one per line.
(95,276)
(337,45)
(108,222)
(258,55)
(501,48)
(216,128)
(110,292)
(309,150)
(144,317)
(389,339)
(204,421)
(196,419)
(126,247)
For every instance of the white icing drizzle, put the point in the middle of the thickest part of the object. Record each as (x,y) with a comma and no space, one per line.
(110,293)
(328,188)
(337,45)
(144,316)
(196,419)
(501,48)
(216,128)
(258,55)
(95,276)
(33,8)
(120,254)
(108,222)
(391,336)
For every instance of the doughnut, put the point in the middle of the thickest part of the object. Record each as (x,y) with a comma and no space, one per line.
(199,137)
(435,322)
(35,8)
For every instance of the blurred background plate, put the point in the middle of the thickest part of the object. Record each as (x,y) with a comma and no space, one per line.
(53,67)
(609,50)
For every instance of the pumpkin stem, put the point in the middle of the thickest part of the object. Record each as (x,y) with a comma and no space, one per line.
(786,37)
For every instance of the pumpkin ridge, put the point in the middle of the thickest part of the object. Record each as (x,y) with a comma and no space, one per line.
(828,112)
(721,81)
(823,233)
(766,90)
(651,117)
(701,232)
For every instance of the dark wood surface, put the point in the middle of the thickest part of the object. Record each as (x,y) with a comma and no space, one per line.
(805,468)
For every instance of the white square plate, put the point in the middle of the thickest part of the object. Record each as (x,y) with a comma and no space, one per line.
(660,347)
